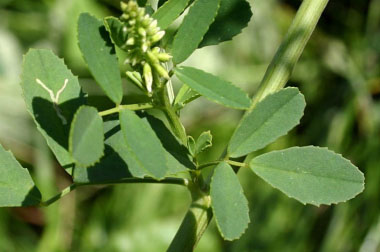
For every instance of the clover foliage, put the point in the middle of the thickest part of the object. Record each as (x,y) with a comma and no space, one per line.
(127,143)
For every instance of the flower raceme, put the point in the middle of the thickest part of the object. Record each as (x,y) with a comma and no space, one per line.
(142,33)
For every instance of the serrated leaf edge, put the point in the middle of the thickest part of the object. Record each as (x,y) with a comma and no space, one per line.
(40,129)
(25,170)
(234,36)
(216,219)
(297,123)
(130,150)
(223,80)
(305,203)
(101,86)
(175,37)
(187,5)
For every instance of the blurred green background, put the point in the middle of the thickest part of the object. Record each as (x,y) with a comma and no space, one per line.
(339,74)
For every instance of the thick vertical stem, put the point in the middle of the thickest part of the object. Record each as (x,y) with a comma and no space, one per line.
(194,224)
(286,57)
(173,118)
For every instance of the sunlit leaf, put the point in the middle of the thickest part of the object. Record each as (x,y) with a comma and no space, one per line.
(99,54)
(52,95)
(146,153)
(168,12)
(194,26)
(16,186)
(311,175)
(228,202)
(213,87)
(271,118)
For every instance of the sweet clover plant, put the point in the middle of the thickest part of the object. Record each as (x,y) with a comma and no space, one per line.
(129,144)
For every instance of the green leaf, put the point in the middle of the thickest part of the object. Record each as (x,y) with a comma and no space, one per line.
(86,143)
(191,145)
(145,149)
(194,26)
(271,118)
(177,155)
(99,54)
(311,175)
(16,185)
(233,16)
(213,88)
(204,142)
(185,95)
(169,12)
(113,166)
(43,81)
(116,30)
(228,202)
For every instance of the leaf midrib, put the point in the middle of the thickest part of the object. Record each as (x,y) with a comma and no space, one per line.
(253,165)
(264,123)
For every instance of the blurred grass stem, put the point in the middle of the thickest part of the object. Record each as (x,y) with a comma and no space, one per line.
(291,48)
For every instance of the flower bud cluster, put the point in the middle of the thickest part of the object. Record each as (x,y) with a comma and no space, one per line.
(143,33)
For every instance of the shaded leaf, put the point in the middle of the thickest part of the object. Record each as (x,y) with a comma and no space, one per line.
(194,26)
(99,54)
(204,142)
(271,118)
(169,12)
(51,103)
(145,149)
(178,156)
(213,88)
(16,185)
(117,31)
(86,142)
(113,166)
(311,175)
(232,17)
(228,202)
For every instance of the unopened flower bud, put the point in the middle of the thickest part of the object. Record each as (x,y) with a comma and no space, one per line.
(148,77)
(157,37)
(161,71)
(164,57)
(152,58)
(142,31)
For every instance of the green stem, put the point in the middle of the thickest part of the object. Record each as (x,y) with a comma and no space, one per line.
(276,76)
(172,181)
(117,109)
(231,162)
(195,222)
(173,118)
(201,166)
(60,195)
(235,163)
(72,187)
(282,65)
